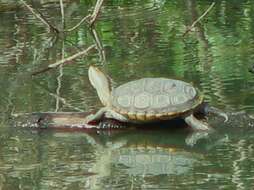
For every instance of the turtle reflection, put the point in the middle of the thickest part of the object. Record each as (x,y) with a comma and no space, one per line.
(143,153)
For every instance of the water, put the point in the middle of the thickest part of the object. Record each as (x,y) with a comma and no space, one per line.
(141,39)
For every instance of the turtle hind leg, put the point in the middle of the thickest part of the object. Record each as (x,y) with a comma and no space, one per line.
(196,124)
(206,109)
(201,130)
(218,112)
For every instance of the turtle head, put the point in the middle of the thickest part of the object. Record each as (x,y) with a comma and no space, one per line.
(101,83)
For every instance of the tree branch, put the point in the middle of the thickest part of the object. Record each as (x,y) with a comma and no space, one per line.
(39,16)
(196,21)
(96,11)
(63,61)
(77,25)
(85,52)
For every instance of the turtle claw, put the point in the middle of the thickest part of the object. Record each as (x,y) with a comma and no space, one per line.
(110,124)
(218,112)
(105,125)
(225,116)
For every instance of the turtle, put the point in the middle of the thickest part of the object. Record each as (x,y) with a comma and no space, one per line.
(147,100)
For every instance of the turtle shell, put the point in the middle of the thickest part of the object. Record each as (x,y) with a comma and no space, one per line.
(151,99)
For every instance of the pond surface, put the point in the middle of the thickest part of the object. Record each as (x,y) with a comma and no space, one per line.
(140,39)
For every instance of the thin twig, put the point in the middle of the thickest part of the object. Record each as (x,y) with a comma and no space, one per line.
(85,52)
(41,71)
(60,76)
(62,13)
(77,25)
(99,46)
(40,17)
(90,19)
(61,99)
(96,11)
(64,102)
(196,21)
(63,61)
(59,85)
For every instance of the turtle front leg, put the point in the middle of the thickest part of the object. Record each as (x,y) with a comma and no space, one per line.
(97,116)
(196,124)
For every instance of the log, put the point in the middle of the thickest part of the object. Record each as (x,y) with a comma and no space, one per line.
(43,120)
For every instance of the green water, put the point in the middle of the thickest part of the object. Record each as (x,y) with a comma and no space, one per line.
(140,39)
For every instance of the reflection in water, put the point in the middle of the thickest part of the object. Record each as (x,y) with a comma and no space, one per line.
(58,159)
(236,178)
(121,159)
(140,161)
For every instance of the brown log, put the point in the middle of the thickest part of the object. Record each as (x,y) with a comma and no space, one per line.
(41,120)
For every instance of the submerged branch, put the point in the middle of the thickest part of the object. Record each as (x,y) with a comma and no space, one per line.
(77,25)
(63,61)
(90,18)
(196,21)
(99,45)
(41,71)
(64,102)
(85,52)
(60,98)
(62,13)
(39,16)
